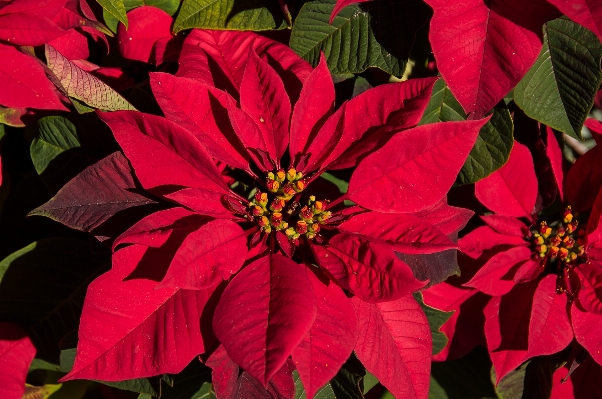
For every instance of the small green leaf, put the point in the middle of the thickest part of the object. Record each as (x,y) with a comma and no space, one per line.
(532,380)
(39,364)
(116,8)
(80,106)
(495,140)
(376,34)
(436,319)
(42,392)
(559,89)
(254,15)
(341,184)
(57,135)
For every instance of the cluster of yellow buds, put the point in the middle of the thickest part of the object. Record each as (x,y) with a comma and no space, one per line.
(285,185)
(560,244)
(310,217)
(267,218)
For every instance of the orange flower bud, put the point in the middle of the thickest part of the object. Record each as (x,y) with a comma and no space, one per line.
(568,242)
(324,216)
(301,227)
(314,227)
(553,252)
(318,207)
(263,221)
(261,198)
(563,253)
(538,240)
(291,174)
(306,213)
(555,240)
(277,205)
(299,186)
(276,219)
(257,210)
(280,175)
(288,190)
(273,186)
(561,231)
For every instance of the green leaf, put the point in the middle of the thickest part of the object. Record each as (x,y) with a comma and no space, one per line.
(559,89)
(376,34)
(42,392)
(64,147)
(42,287)
(254,15)
(39,364)
(169,6)
(495,140)
(532,380)
(116,8)
(467,377)
(436,319)
(81,85)
(341,184)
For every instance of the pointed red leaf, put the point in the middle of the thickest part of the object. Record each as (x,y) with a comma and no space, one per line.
(154,229)
(228,52)
(483,238)
(549,328)
(146,26)
(202,201)
(264,99)
(16,354)
(331,265)
(464,328)
(95,195)
(316,102)
(28,30)
(585,12)
(202,111)
(496,276)
(590,292)
(584,179)
(224,375)
(511,190)
(331,339)
(281,386)
(415,169)
(447,219)
(263,314)
(506,225)
(73,45)
(41,8)
(593,230)
(212,253)
(129,329)
(35,91)
(555,156)
(399,104)
(484,48)
(507,328)
(528,271)
(404,232)
(163,153)
(375,273)
(395,345)
(342,4)
(588,331)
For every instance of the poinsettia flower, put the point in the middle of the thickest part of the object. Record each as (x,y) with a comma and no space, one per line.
(260,272)
(535,270)
(16,354)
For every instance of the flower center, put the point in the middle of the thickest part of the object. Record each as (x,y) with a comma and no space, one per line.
(279,210)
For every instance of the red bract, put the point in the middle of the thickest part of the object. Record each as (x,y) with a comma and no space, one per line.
(484,48)
(264,268)
(544,279)
(16,353)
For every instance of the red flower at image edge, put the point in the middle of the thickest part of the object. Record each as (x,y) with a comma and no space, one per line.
(275,272)
(542,277)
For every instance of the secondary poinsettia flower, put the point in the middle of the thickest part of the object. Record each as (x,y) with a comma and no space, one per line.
(260,272)
(537,272)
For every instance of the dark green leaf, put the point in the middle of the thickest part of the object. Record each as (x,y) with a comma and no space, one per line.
(80,106)
(347,384)
(559,89)
(377,34)
(436,319)
(465,378)
(42,287)
(493,146)
(435,267)
(254,15)
(116,8)
(532,380)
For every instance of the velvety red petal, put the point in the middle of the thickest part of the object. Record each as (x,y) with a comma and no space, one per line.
(483,49)
(590,292)
(404,232)
(512,189)
(163,153)
(263,314)
(73,45)
(129,329)
(588,331)
(213,252)
(549,328)
(506,225)
(483,238)
(146,26)
(496,276)
(555,156)
(264,99)
(24,29)
(375,273)
(331,339)
(16,354)
(395,345)
(415,169)
(507,328)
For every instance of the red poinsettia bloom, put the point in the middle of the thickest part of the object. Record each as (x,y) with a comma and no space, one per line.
(275,271)
(543,276)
